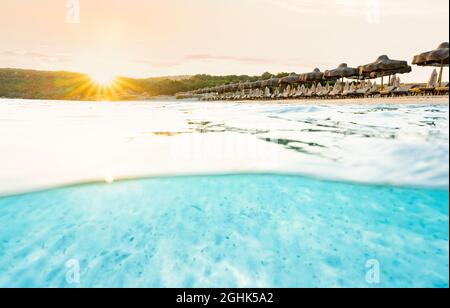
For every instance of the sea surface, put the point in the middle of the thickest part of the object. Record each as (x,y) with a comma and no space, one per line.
(195,194)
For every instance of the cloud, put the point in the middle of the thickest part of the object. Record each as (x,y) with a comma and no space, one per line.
(8,54)
(293,64)
(315,7)
(302,63)
(361,7)
(206,57)
(62,58)
(158,64)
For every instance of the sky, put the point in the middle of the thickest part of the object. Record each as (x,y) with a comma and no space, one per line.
(146,38)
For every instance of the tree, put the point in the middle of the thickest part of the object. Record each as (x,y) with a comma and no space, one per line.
(266,76)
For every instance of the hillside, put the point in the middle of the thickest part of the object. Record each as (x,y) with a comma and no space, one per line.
(61,85)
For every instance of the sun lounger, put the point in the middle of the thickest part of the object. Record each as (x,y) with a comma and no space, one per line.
(388,91)
(373,92)
(300,94)
(361,92)
(324,93)
(430,88)
(349,93)
(441,90)
(426,91)
(414,90)
(310,94)
(403,91)
(335,93)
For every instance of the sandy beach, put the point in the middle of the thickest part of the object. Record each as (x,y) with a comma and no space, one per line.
(406,100)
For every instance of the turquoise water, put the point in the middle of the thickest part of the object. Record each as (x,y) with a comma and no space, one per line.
(260,230)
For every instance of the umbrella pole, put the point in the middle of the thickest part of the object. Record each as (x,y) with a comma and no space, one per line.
(440,74)
(382,81)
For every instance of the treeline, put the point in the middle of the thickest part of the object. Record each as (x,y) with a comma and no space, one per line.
(15,83)
(32,84)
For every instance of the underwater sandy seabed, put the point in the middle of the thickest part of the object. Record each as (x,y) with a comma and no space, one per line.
(225,231)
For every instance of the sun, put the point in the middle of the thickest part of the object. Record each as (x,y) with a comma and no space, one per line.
(103,78)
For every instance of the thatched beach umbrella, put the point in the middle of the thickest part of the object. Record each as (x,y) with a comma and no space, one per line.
(389,73)
(273,82)
(257,84)
(293,78)
(220,89)
(341,72)
(233,87)
(384,66)
(270,85)
(265,82)
(227,88)
(437,58)
(313,76)
(248,85)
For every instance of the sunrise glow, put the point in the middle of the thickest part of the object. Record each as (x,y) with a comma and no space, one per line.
(103,78)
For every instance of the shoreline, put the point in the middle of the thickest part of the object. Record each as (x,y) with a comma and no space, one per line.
(402,100)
